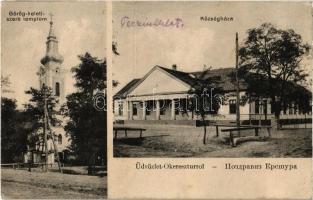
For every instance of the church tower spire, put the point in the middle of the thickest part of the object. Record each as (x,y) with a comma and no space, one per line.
(51,32)
(52,47)
(51,73)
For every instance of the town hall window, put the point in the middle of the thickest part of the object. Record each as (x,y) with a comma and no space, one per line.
(162,107)
(120,108)
(272,107)
(257,107)
(135,109)
(149,107)
(232,106)
(291,109)
(177,105)
(57,89)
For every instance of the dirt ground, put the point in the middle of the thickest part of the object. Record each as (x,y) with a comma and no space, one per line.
(21,184)
(184,141)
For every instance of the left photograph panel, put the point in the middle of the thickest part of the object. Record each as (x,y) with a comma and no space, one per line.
(53,100)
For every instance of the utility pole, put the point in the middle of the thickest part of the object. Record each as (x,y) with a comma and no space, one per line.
(45,128)
(53,141)
(237,87)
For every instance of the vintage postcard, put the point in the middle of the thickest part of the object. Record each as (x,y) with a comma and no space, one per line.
(211,100)
(156,100)
(53,115)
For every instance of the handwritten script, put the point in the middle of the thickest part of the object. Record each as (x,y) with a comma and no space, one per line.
(126,22)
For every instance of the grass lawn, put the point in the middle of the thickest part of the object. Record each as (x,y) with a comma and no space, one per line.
(21,184)
(184,141)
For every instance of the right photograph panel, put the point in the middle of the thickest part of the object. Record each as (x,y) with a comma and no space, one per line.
(212,79)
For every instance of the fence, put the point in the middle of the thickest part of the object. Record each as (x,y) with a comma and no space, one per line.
(297,121)
(28,166)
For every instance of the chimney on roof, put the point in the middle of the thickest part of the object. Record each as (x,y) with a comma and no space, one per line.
(174,67)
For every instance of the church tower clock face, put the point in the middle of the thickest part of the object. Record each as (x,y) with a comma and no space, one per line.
(51,73)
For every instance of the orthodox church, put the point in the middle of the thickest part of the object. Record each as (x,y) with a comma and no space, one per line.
(51,74)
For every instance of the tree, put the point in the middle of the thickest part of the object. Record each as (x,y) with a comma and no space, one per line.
(34,112)
(270,59)
(205,99)
(13,139)
(5,84)
(36,106)
(114,48)
(87,124)
(115,51)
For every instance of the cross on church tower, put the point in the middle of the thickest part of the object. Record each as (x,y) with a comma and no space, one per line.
(51,19)
(51,16)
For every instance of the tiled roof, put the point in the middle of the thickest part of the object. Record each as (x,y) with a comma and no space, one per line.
(185,77)
(122,93)
(226,76)
(223,74)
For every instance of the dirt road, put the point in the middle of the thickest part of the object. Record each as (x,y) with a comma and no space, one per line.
(165,141)
(21,184)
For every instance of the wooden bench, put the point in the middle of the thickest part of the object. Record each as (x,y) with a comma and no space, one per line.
(222,125)
(125,129)
(231,135)
(244,126)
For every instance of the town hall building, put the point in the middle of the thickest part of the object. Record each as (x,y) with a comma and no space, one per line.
(163,90)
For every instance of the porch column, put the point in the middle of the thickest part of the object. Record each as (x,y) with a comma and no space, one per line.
(287,109)
(292,109)
(157,110)
(261,107)
(269,107)
(250,112)
(144,110)
(130,110)
(173,110)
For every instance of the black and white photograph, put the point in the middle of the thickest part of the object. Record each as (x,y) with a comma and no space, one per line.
(53,100)
(156,99)
(212,79)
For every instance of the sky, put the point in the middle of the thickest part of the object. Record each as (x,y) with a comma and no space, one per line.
(197,43)
(79,26)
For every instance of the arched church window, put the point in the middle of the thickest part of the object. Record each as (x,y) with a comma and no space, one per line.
(60,139)
(57,89)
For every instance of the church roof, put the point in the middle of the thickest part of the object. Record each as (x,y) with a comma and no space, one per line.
(224,75)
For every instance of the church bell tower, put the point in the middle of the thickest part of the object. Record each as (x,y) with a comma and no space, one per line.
(51,73)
